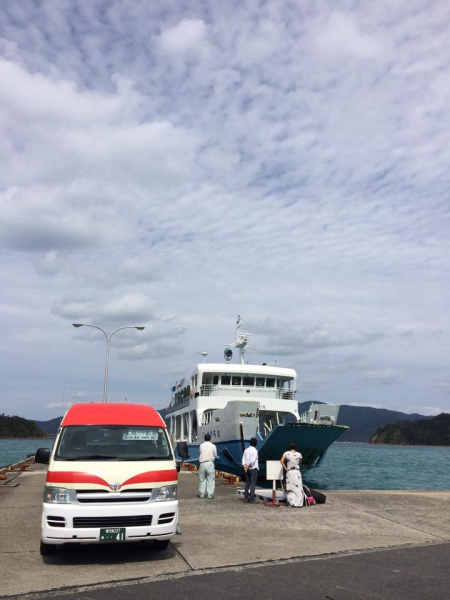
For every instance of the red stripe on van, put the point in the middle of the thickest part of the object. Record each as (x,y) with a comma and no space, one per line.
(74,477)
(80,477)
(153,477)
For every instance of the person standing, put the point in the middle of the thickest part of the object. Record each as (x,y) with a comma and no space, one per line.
(291,461)
(207,477)
(251,467)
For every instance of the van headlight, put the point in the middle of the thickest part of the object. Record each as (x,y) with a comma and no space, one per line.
(56,495)
(166,492)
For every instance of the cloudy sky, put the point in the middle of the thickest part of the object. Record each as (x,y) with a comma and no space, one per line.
(173,164)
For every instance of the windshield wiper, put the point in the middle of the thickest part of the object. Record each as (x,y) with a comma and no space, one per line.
(91,457)
(148,458)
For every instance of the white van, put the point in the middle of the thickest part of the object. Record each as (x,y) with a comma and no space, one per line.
(112,477)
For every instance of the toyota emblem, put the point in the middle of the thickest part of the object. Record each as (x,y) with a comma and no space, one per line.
(115,487)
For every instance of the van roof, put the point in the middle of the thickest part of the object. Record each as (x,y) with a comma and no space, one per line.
(112,413)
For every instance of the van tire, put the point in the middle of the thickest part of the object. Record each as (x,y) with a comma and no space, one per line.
(161,544)
(47,549)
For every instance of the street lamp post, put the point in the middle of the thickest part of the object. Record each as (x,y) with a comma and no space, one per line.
(108,337)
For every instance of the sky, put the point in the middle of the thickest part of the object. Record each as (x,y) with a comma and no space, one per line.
(174,164)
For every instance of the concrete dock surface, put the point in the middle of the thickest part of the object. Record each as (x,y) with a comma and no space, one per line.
(354,538)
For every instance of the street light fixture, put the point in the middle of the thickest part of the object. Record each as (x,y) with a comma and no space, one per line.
(108,337)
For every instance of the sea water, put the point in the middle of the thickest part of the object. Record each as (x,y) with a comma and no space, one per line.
(346,466)
(358,466)
(13,451)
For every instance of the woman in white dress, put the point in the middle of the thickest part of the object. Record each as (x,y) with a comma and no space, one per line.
(291,461)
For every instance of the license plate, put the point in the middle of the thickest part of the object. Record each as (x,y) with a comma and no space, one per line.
(112,534)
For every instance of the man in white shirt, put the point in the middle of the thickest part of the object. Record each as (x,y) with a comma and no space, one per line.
(207,477)
(251,467)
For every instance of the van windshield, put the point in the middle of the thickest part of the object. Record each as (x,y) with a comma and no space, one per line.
(113,442)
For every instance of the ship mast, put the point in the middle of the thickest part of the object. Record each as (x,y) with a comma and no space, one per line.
(241,340)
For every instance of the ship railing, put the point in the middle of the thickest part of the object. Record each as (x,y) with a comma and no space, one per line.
(177,405)
(319,419)
(258,392)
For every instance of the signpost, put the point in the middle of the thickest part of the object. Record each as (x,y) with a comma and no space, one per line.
(274,472)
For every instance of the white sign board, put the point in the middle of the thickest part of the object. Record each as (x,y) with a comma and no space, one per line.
(142,434)
(274,470)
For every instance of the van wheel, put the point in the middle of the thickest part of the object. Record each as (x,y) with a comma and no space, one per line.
(47,549)
(161,544)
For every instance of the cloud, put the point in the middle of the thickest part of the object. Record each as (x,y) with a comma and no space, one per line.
(443,384)
(187,35)
(285,339)
(386,377)
(130,308)
(340,36)
(427,410)
(175,165)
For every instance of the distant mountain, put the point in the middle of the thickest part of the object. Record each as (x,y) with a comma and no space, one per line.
(363,421)
(17,427)
(50,427)
(424,432)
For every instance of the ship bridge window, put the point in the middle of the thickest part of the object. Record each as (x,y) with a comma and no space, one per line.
(225,380)
(207,378)
(248,381)
(215,379)
(207,417)
(260,382)
(185,432)
(270,382)
(194,426)
(236,381)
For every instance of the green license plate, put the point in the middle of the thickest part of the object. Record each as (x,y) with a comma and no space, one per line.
(112,534)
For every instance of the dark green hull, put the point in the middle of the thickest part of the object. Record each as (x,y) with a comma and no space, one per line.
(312,441)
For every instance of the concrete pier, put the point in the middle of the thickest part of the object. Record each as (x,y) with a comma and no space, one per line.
(217,535)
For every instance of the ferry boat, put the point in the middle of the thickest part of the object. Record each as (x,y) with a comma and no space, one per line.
(234,402)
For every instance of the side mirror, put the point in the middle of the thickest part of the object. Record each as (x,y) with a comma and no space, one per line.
(178,467)
(42,456)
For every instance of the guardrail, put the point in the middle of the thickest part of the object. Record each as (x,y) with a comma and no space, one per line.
(16,467)
(232,479)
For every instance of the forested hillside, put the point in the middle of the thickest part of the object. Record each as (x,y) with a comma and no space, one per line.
(426,432)
(17,427)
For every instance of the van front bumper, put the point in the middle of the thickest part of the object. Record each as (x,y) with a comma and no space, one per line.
(67,523)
